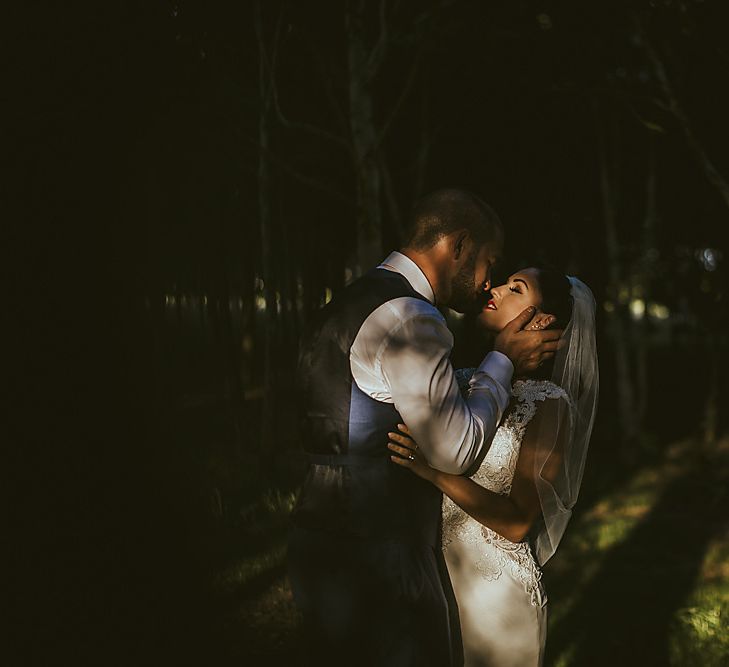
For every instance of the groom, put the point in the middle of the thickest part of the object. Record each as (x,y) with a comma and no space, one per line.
(365,560)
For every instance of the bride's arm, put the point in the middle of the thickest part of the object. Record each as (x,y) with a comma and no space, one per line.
(511,516)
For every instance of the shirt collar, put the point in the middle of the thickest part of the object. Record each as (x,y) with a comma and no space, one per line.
(405,266)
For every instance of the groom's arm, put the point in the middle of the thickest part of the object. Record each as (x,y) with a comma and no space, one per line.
(415,365)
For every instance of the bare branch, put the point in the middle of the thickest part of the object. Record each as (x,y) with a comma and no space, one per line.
(271,90)
(423,17)
(432,12)
(276,159)
(276,42)
(300,125)
(658,102)
(377,55)
(307,127)
(671,103)
(401,98)
(390,197)
(648,124)
(262,57)
(673,106)
(423,154)
(327,79)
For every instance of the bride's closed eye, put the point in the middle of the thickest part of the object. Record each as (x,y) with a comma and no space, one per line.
(515,289)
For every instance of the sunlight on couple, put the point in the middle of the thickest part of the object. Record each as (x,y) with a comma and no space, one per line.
(433,496)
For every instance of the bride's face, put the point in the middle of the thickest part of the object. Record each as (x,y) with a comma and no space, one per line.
(507,301)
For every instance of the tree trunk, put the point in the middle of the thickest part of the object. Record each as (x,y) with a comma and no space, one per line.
(711,409)
(231,357)
(393,208)
(641,330)
(264,219)
(423,155)
(368,215)
(618,329)
(290,313)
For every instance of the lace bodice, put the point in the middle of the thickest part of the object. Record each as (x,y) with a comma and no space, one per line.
(496,473)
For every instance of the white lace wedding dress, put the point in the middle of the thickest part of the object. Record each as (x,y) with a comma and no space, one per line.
(497,583)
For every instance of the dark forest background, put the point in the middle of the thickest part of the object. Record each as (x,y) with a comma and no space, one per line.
(189,181)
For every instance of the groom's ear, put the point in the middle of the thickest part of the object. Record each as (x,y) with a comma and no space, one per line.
(460,244)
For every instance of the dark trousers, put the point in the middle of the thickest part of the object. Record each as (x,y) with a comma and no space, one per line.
(373,602)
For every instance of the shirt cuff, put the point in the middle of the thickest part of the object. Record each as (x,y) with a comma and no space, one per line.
(498,367)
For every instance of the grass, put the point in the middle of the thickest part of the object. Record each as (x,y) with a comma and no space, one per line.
(263,523)
(700,630)
(256,619)
(641,578)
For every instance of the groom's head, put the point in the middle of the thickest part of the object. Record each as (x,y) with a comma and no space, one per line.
(455,238)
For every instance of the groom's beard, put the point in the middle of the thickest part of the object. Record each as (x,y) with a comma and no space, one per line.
(466,296)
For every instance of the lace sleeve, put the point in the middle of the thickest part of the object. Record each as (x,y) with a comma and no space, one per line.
(463,377)
(527,394)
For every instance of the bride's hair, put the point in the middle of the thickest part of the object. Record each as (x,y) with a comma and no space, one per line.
(556,295)
(556,300)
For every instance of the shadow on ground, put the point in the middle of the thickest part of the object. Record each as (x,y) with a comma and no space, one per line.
(624,615)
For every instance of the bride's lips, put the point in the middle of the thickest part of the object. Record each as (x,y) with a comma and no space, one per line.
(491,305)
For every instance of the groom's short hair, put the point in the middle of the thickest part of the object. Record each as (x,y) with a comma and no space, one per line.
(450,210)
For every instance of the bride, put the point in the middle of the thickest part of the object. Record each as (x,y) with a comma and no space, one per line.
(505,521)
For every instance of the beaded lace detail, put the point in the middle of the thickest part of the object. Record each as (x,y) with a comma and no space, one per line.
(496,473)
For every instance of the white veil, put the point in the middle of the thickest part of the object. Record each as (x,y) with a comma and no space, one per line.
(563,437)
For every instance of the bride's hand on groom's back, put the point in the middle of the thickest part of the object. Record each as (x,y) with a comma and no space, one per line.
(528,349)
(408,453)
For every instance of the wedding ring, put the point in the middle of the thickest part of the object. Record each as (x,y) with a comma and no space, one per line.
(411,457)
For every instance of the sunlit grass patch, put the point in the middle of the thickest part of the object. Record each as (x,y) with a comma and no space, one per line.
(621,560)
(631,558)
(271,504)
(613,532)
(700,631)
(262,529)
(263,622)
(716,564)
(245,570)
(279,502)
(595,532)
(567,657)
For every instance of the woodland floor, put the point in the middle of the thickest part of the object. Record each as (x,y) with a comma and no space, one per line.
(641,577)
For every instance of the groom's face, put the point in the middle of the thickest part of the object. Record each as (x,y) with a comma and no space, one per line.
(472,281)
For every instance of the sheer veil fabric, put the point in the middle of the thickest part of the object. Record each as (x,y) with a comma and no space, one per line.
(564,431)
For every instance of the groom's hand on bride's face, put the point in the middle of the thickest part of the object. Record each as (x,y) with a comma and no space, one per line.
(528,348)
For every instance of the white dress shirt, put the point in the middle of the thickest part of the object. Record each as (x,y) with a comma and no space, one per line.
(401,356)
